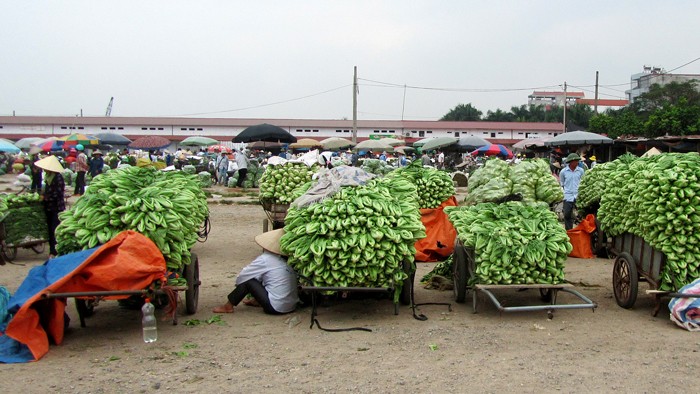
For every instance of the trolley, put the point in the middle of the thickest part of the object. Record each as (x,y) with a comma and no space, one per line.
(10,240)
(463,272)
(276,213)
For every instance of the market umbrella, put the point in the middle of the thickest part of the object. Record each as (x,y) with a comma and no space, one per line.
(493,150)
(262,145)
(438,142)
(305,143)
(393,141)
(421,142)
(198,141)
(469,143)
(220,148)
(334,143)
(50,144)
(79,138)
(531,143)
(374,145)
(26,143)
(150,142)
(8,147)
(112,139)
(265,132)
(578,138)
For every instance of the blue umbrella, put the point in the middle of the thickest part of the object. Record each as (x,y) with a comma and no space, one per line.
(8,147)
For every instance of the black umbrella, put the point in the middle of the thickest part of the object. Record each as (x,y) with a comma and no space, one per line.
(469,143)
(265,132)
(112,139)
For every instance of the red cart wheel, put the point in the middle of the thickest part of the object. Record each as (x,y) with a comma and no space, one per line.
(191,273)
(625,280)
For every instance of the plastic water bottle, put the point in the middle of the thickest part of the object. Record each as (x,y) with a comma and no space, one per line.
(150,331)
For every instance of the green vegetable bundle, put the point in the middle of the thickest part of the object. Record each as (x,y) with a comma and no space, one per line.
(167,207)
(189,169)
(513,242)
(434,186)
(496,180)
(23,216)
(279,181)
(204,179)
(376,166)
(658,199)
(359,237)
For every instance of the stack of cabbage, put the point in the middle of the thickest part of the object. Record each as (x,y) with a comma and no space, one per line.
(278,182)
(359,237)
(205,179)
(167,207)
(658,199)
(434,186)
(376,166)
(598,179)
(496,180)
(23,216)
(513,242)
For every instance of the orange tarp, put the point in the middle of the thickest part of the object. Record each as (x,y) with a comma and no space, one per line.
(440,234)
(130,261)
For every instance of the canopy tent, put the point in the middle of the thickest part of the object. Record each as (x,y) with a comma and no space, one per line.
(265,132)
(305,143)
(150,142)
(578,138)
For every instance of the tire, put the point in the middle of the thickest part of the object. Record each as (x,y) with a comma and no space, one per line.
(625,280)
(405,297)
(39,248)
(459,274)
(9,253)
(192,293)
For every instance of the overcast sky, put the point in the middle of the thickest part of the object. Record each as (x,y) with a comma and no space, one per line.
(295,59)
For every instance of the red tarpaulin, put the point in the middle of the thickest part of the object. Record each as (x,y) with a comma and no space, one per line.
(439,241)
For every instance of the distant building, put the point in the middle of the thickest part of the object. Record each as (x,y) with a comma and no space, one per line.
(640,83)
(553,99)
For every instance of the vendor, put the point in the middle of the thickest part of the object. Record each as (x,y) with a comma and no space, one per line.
(54,201)
(97,163)
(268,278)
(570,178)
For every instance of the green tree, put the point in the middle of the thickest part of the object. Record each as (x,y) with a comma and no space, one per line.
(463,112)
(673,119)
(499,116)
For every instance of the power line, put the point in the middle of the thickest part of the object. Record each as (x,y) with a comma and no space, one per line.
(492,90)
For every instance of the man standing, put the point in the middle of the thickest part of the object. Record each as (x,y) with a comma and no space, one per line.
(441,160)
(570,177)
(96,164)
(222,168)
(425,159)
(81,167)
(242,163)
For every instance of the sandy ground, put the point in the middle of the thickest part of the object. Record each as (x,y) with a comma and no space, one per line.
(611,349)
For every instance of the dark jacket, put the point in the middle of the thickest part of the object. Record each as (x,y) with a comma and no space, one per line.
(53,195)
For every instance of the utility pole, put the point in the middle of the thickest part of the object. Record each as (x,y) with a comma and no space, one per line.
(354,107)
(595,105)
(403,107)
(565,106)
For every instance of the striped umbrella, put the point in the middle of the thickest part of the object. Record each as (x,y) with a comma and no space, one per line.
(78,138)
(50,144)
(493,150)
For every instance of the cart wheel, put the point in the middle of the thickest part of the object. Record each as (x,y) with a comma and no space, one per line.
(459,274)
(8,252)
(546,295)
(405,297)
(625,280)
(192,293)
(39,248)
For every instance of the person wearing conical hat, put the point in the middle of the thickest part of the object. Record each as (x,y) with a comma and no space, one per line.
(54,201)
(268,278)
(81,168)
(96,164)
(570,178)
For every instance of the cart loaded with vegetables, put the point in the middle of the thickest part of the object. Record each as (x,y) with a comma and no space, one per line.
(650,208)
(22,225)
(277,186)
(169,208)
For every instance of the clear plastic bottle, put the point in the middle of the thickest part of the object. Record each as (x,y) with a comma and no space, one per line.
(148,321)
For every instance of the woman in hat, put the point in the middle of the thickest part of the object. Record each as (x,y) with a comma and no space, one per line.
(97,163)
(268,278)
(81,167)
(54,201)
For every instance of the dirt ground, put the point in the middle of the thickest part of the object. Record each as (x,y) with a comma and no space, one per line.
(453,351)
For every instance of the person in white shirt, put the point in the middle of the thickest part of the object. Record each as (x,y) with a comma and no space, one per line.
(441,160)
(242,163)
(268,278)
